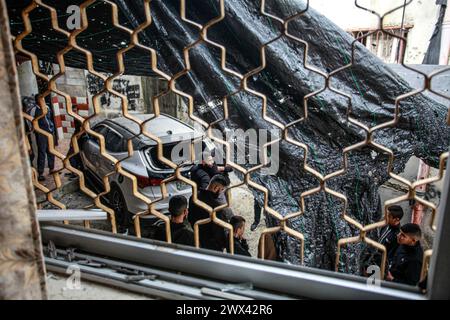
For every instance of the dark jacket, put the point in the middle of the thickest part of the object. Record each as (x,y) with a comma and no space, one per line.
(371,256)
(240,247)
(45,123)
(212,236)
(202,174)
(407,264)
(181,233)
(33,109)
(388,238)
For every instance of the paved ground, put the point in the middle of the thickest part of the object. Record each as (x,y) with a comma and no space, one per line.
(62,147)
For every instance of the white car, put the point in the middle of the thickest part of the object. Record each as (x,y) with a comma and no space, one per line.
(144,163)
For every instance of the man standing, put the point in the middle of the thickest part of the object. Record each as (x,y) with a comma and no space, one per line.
(202,173)
(45,123)
(387,237)
(407,261)
(212,236)
(257,208)
(75,160)
(180,231)
(389,233)
(27,107)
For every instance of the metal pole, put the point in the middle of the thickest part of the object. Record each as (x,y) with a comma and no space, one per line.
(264,275)
(439,273)
(401,46)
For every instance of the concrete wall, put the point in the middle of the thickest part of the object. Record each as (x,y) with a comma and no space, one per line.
(28,84)
(130,86)
(422,14)
(73,82)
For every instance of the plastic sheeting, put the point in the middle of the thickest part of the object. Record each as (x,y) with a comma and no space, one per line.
(434,47)
(421,130)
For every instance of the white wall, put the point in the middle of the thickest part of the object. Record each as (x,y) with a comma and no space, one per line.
(422,14)
(73,82)
(345,14)
(27,80)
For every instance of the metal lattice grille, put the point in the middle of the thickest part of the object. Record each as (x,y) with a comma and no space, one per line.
(134,42)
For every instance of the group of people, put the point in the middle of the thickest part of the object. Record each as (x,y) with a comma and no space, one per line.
(212,236)
(30,106)
(211,181)
(403,249)
(404,253)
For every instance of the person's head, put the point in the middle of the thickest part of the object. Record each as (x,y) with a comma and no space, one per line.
(217,184)
(178,208)
(238,224)
(409,235)
(394,215)
(25,102)
(207,159)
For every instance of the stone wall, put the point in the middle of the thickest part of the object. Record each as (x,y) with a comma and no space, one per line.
(22,271)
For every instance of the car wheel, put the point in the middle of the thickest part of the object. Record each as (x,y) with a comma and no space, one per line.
(118,204)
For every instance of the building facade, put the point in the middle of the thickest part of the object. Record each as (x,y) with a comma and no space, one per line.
(418,21)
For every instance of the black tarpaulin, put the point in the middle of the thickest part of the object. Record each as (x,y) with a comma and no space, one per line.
(373,87)
(434,47)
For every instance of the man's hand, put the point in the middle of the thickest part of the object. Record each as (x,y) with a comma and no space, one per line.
(226,169)
(389,277)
